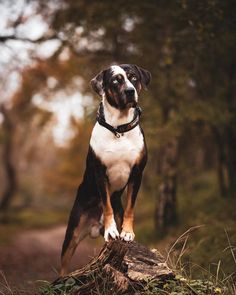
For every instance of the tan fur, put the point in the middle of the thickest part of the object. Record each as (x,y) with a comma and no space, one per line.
(127,226)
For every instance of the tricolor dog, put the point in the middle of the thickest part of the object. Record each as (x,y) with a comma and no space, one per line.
(116,158)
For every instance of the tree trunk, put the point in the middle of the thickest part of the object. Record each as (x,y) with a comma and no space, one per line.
(120,268)
(166,212)
(230,132)
(221,162)
(231,158)
(9,168)
(226,146)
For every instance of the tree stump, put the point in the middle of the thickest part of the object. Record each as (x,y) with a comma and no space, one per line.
(120,268)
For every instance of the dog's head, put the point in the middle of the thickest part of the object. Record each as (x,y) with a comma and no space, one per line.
(120,85)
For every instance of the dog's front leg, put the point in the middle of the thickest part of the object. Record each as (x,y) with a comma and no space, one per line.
(127,233)
(110,229)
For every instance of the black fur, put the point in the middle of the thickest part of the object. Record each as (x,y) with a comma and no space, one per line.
(87,197)
(91,194)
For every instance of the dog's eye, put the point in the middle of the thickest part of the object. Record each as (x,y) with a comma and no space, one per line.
(133,79)
(115,82)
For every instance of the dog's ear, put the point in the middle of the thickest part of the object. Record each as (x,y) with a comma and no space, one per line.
(145,76)
(97,83)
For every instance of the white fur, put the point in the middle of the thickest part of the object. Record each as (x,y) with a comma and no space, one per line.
(112,231)
(117,154)
(127,236)
(117,70)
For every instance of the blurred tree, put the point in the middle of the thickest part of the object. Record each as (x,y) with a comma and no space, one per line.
(212,44)
(18,119)
(8,166)
(68,170)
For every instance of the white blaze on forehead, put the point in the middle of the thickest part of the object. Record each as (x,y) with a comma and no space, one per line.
(116,70)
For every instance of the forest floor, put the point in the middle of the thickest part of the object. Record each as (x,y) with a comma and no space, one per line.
(31,238)
(34,255)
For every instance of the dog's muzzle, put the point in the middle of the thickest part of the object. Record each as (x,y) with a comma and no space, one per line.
(130,94)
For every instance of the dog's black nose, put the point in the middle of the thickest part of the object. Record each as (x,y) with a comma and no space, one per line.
(129,92)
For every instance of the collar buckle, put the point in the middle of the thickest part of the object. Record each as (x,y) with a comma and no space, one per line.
(117,135)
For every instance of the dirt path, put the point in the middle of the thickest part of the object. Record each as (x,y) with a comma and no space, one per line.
(35,255)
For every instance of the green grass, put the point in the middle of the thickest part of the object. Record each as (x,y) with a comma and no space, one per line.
(180,286)
(209,249)
(200,203)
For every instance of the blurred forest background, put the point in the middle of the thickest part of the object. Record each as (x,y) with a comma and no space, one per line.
(49,51)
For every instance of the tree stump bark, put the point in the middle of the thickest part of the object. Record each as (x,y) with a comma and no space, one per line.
(120,268)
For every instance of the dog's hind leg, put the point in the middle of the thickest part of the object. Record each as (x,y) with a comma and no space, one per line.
(77,230)
(82,222)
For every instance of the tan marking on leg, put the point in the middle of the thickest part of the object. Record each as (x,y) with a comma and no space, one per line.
(127,227)
(110,229)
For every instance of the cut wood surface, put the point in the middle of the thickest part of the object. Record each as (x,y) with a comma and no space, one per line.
(122,268)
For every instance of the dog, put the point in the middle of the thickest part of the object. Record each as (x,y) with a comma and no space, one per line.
(115,161)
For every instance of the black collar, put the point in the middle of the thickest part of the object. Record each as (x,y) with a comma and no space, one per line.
(121,128)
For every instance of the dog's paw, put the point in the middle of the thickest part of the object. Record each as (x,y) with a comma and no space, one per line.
(127,236)
(111,232)
(95,231)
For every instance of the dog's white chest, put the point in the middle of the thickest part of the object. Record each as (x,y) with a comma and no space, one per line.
(117,154)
